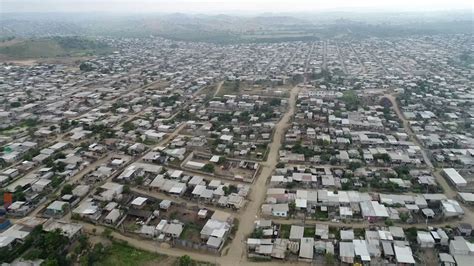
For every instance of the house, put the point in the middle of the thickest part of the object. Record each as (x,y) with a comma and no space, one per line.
(57,208)
(3,179)
(397,233)
(347,235)
(346,252)
(425,239)
(15,233)
(173,229)
(306,249)
(361,250)
(387,249)
(462,251)
(322,231)
(112,217)
(227,138)
(138,202)
(165,204)
(11,173)
(446,260)
(213,227)
(451,208)
(279,210)
(18,208)
(146,231)
(296,232)
(88,209)
(6,242)
(443,237)
(80,190)
(40,185)
(465,229)
(455,178)
(404,255)
(110,191)
(279,248)
(70,230)
(467,198)
(373,211)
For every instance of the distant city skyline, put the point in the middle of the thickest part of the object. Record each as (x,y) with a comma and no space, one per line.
(228,6)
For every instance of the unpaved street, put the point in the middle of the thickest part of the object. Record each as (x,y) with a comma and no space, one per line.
(448,190)
(236,251)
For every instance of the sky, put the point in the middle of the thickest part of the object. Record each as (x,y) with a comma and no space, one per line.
(229,6)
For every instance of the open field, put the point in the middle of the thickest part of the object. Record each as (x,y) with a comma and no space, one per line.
(124,255)
(51,47)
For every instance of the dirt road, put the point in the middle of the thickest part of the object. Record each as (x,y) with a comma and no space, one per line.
(78,176)
(408,129)
(236,251)
(448,190)
(219,86)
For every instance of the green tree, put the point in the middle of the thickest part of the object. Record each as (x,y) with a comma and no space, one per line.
(329,259)
(128,126)
(257,233)
(19,195)
(292,208)
(404,217)
(280,165)
(107,233)
(354,165)
(139,180)
(185,261)
(15,104)
(86,66)
(126,189)
(3,163)
(208,168)
(67,189)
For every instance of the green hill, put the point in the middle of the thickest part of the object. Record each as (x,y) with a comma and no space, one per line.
(53,47)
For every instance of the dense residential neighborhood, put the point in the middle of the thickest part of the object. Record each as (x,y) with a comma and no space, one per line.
(337,151)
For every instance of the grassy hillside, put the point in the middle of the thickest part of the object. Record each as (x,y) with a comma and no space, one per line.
(53,47)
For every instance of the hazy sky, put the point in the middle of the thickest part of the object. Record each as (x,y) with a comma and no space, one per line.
(223,6)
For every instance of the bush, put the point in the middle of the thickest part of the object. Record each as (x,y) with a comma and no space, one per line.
(185,261)
(257,233)
(208,168)
(67,189)
(280,165)
(107,233)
